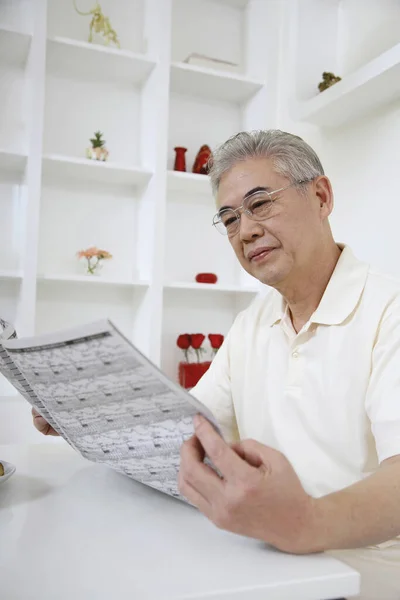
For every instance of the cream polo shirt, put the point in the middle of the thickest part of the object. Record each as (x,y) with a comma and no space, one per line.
(327,397)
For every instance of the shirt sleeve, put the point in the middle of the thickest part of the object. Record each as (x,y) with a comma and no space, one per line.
(214,391)
(383,395)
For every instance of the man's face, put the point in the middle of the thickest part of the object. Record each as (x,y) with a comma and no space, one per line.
(283,242)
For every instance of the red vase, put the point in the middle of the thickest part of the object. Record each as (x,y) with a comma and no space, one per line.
(180,159)
(191,373)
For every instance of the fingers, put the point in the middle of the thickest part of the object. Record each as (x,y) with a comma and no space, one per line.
(192,450)
(42,425)
(227,461)
(196,476)
(255,454)
(195,498)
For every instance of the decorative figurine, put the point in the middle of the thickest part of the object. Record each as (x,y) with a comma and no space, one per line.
(99,24)
(328,79)
(180,159)
(98,151)
(201,163)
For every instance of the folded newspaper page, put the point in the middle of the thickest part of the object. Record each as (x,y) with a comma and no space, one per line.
(105,398)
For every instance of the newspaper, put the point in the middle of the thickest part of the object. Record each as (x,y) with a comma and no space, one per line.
(105,398)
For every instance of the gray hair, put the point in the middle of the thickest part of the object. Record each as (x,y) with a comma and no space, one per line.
(292,157)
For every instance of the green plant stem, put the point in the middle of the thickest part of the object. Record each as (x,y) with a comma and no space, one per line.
(92,268)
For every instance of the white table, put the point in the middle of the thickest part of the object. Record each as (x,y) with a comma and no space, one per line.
(73,530)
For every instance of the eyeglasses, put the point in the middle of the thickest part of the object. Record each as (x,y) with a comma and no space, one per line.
(258,207)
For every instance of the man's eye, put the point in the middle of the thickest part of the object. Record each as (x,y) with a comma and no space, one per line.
(228,221)
(261,206)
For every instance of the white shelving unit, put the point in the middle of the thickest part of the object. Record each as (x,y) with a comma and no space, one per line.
(156,222)
(147,99)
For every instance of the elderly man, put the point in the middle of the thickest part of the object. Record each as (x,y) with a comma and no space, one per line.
(306,387)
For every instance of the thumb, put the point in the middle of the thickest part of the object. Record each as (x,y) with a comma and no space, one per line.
(42,425)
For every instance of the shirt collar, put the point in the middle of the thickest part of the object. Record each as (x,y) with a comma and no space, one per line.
(343,291)
(341,295)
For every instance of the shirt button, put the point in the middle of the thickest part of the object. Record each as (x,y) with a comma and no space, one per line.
(295,354)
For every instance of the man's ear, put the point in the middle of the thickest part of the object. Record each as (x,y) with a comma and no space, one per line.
(324,193)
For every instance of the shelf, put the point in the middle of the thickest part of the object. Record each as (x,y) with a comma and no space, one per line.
(12,162)
(369,88)
(57,167)
(91,280)
(212,84)
(94,62)
(232,3)
(14,47)
(188,183)
(208,287)
(10,275)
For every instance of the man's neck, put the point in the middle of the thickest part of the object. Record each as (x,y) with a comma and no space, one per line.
(304,295)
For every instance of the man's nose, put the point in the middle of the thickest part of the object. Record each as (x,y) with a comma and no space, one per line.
(249,229)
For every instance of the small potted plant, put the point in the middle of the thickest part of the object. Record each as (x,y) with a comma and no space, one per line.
(93,256)
(98,151)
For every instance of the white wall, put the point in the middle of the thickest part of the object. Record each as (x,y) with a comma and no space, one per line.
(363,162)
(366,28)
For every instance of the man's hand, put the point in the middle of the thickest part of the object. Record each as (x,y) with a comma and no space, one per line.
(41,424)
(258,494)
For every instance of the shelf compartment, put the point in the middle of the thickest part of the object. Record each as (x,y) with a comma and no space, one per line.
(58,167)
(212,84)
(366,90)
(94,62)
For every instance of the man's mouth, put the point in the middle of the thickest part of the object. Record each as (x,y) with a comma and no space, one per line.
(259,254)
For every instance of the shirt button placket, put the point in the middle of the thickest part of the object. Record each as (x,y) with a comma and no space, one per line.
(294,368)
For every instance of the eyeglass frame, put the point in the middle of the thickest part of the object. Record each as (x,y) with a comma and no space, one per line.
(240,209)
